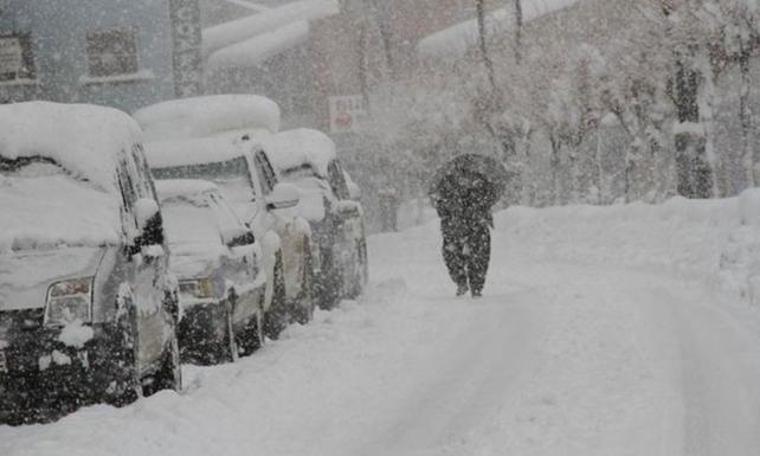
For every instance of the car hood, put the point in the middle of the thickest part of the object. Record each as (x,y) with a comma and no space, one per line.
(194,260)
(26,275)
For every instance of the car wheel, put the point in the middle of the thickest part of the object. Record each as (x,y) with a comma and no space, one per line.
(330,283)
(252,338)
(228,350)
(303,310)
(275,319)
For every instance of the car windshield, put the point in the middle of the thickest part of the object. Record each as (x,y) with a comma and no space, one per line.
(231,176)
(44,207)
(190,220)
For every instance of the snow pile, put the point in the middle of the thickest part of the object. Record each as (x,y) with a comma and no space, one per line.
(455,41)
(260,48)
(83,139)
(290,150)
(207,116)
(230,33)
(714,241)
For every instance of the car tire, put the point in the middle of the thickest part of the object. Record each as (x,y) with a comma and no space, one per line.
(303,308)
(330,284)
(228,350)
(275,320)
(252,338)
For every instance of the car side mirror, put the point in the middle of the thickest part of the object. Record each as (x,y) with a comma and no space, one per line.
(283,196)
(150,239)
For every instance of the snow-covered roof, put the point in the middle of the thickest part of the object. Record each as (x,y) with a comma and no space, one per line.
(172,188)
(207,116)
(294,148)
(260,48)
(455,41)
(166,154)
(85,140)
(227,34)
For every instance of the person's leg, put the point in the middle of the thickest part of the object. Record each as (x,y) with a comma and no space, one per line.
(453,254)
(479,240)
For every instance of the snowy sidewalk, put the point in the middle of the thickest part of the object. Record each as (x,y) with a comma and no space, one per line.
(563,356)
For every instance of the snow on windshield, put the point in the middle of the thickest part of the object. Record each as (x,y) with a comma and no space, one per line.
(44,207)
(190,221)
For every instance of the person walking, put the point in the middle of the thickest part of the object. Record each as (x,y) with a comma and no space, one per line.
(463,193)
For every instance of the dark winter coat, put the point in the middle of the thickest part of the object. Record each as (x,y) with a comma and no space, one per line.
(464,197)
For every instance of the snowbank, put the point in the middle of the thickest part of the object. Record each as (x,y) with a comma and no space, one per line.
(294,148)
(230,33)
(84,139)
(455,41)
(207,116)
(259,49)
(713,241)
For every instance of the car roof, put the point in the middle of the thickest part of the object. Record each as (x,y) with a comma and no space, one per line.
(207,116)
(172,188)
(292,149)
(85,140)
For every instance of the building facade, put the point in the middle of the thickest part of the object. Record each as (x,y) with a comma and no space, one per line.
(117,53)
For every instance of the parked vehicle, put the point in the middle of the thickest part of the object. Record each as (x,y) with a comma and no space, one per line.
(330,202)
(217,261)
(204,126)
(88,309)
(234,168)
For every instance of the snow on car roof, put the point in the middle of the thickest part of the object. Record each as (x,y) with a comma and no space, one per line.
(294,148)
(84,139)
(456,40)
(172,188)
(260,48)
(207,116)
(166,154)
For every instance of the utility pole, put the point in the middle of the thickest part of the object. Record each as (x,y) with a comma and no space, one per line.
(518,31)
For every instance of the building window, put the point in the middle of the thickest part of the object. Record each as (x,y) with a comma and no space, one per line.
(112,52)
(16,60)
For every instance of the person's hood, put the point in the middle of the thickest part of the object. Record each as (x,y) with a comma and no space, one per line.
(25,276)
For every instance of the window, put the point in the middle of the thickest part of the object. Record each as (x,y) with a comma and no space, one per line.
(16,61)
(337,180)
(112,52)
(267,174)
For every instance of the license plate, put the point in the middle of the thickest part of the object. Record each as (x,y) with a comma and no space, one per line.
(3,363)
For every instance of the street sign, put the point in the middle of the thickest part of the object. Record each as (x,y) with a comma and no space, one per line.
(347,112)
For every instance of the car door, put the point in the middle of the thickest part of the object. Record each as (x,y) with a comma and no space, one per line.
(348,220)
(148,264)
(240,265)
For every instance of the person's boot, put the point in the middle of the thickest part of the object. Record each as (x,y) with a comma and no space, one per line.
(477,294)
(462,289)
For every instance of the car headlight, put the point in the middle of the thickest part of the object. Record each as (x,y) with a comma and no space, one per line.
(199,288)
(69,301)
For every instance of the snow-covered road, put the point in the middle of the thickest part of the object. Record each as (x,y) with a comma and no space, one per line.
(565,355)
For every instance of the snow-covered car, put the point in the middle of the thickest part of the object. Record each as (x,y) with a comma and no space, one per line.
(216,260)
(196,131)
(330,202)
(88,309)
(235,169)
